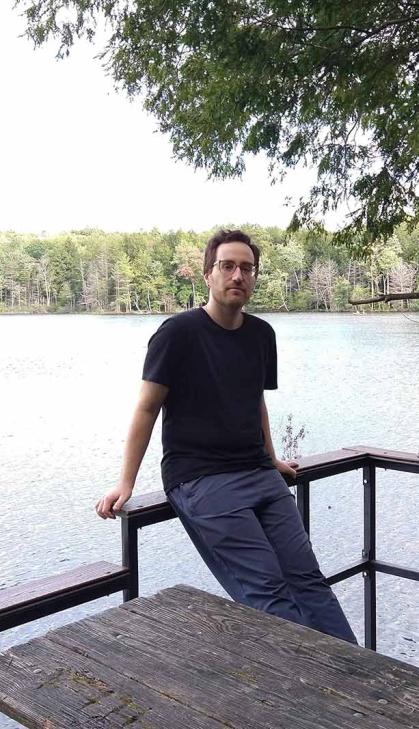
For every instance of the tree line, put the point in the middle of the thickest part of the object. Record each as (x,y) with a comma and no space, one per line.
(95,271)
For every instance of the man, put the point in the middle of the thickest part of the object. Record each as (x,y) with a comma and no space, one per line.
(208,368)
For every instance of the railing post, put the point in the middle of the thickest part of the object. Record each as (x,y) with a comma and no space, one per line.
(369,552)
(129,534)
(303,503)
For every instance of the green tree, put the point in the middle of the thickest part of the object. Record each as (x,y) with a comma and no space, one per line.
(334,83)
(359,293)
(388,258)
(123,276)
(149,283)
(262,297)
(302,300)
(63,262)
(410,245)
(340,293)
(16,272)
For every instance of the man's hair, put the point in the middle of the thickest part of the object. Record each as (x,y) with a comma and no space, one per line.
(227,236)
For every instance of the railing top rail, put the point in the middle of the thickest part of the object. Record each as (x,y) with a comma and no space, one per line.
(319,460)
(308,466)
(387,454)
(144,502)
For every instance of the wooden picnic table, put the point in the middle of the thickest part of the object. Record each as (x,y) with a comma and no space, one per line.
(184,658)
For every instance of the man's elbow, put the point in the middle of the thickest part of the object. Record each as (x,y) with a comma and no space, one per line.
(152,397)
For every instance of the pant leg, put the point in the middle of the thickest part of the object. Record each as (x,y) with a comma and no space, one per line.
(283,527)
(216,514)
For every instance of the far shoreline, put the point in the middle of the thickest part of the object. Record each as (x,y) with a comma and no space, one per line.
(180,311)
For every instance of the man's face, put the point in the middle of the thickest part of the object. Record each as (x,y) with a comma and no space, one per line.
(232,289)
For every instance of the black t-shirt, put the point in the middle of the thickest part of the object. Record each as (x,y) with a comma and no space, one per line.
(216,377)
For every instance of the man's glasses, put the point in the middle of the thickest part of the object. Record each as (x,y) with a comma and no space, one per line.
(248,270)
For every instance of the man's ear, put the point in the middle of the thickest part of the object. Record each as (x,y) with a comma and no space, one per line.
(207,279)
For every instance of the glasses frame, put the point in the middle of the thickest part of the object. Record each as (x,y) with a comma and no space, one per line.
(253,272)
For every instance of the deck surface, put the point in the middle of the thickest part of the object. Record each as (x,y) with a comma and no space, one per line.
(184,658)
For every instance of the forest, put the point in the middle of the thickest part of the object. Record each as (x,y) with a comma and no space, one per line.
(144,272)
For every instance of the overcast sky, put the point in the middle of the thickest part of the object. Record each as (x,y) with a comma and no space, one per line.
(74,153)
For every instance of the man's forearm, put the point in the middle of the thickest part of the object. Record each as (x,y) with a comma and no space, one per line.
(267,431)
(138,438)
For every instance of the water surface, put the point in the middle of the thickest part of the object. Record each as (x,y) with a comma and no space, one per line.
(68,385)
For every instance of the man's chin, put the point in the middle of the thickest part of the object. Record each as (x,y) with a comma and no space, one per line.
(236,298)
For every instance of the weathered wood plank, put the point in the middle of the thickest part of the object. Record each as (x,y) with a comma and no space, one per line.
(274,685)
(147,674)
(39,688)
(302,660)
(84,575)
(218,660)
(206,676)
(211,682)
(288,645)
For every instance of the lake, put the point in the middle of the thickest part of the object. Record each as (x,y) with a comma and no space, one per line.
(67,390)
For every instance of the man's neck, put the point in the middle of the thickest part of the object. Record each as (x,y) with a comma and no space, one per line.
(227,317)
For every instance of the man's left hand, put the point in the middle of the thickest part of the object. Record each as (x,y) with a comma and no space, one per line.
(286,467)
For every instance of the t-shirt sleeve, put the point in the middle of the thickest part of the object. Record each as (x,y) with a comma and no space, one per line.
(163,355)
(271,379)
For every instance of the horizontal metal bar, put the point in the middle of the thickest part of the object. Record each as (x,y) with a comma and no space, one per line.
(54,603)
(350,571)
(395,570)
(390,465)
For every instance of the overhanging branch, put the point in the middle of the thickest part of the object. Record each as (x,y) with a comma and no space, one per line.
(385,298)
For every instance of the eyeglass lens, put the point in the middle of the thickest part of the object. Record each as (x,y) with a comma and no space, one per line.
(229,267)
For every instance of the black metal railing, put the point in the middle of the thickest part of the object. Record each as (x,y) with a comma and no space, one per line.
(44,597)
(153,508)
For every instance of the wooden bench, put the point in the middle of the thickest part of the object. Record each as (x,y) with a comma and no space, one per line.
(38,598)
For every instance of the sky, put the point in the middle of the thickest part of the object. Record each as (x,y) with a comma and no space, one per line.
(74,153)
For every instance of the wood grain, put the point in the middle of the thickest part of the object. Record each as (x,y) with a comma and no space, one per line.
(184,658)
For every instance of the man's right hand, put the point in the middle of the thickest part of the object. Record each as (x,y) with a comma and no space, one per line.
(113,501)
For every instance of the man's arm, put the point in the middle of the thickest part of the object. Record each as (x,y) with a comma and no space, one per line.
(145,415)
(285,467)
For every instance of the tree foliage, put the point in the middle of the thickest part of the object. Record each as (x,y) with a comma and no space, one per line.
(333,83)
(94,271)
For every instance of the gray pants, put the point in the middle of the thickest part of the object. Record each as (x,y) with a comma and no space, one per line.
(248,531)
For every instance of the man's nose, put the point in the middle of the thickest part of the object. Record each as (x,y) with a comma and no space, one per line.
(237,275)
